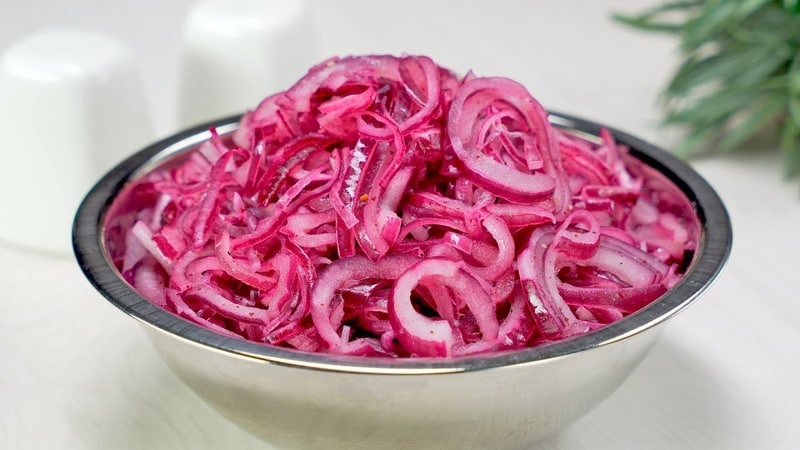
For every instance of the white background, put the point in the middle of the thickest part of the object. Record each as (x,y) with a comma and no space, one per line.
(77,374)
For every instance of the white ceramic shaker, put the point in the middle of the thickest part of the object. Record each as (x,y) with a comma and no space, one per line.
(71,106)
(236,52)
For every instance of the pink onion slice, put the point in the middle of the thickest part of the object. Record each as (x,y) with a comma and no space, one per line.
(503,178)
(347,272)
(431,337)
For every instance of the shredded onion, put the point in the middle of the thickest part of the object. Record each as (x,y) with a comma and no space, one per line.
(384,207)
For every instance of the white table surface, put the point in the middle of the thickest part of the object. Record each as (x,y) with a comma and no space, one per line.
(75,373)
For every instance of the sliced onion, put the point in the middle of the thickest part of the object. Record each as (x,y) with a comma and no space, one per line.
(383,207)
(347,272)
(432,337)
(498,177)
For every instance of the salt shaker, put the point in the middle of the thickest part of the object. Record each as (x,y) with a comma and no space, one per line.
(71,105)
(236,52)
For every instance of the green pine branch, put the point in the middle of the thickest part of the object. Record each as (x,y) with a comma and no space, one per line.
(740,72)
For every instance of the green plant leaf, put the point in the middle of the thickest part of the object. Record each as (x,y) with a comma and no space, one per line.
(715,16)
(719,105)
(743,65)
(790,147)
(755,120)
(793,84)
(650,25)
(794,108)
(791,5)
(747,7)
(793,81)
(773,24)
(770,62)
(648,19)
(696,140)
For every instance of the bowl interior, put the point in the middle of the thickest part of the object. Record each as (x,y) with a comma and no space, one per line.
(93,257)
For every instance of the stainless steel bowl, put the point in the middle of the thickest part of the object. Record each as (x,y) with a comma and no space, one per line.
(498,401)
